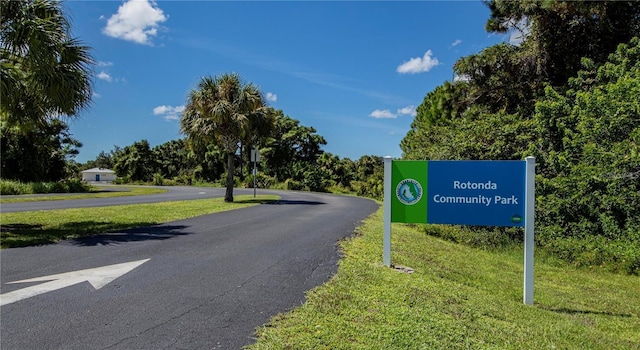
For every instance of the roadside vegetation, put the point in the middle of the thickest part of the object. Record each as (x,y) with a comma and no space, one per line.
(94,192)
(10,187)
(458,297)
(568,94)
(48,226)
(291,158)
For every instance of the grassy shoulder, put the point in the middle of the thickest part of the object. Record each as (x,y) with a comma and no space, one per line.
(96,192)
(458,297)
(48,226)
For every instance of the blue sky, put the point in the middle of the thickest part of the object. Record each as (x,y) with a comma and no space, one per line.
(355,71)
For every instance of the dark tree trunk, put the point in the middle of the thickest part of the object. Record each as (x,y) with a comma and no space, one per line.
(241,162)
(228,196)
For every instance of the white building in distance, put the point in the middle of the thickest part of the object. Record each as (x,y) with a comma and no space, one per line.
(98,175)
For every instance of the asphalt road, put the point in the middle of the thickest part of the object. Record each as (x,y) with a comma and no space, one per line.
(208,283)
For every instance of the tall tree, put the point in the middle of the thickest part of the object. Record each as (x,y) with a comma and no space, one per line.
(173,158)
(46,73)
(39,154)
(137,162)
(224,110)
(561,33)
(499,78)
(291,144)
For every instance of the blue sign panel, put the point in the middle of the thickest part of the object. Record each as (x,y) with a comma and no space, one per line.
(485,193)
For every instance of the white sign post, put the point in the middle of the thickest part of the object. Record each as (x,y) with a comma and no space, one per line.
(484,193)
(528,228)
(386,213)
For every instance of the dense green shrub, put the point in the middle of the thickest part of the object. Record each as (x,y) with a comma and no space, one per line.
(120,180)
(158,179)
(184,180)
(585,137)
(262,181)
(588,151)
(475,236)
(372,187)
(294,185)
(316,179)
(9,187)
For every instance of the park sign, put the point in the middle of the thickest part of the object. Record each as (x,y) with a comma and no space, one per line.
(463,192)
(484,193)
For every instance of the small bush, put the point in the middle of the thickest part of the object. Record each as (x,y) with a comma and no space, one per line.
(77,186)
(39,187)
(372,188)
(158,179)
(121,180)
(58,187)
(183,180)
(596,251)
(8,187)
(340,189)
(291,184)
(262,181)
(170,182)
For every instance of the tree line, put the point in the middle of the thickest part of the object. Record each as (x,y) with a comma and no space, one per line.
(45,77)
(569,95)
(292,158)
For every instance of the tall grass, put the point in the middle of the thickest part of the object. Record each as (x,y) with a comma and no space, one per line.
(11,187)
(458,297)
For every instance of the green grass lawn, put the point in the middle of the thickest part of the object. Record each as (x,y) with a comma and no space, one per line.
(98,192)
(48,226)
(457,298)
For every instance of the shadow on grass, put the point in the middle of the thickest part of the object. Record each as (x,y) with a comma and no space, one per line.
(18,228)
(84,233)
(568,311)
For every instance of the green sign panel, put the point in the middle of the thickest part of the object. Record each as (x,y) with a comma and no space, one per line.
(409,191)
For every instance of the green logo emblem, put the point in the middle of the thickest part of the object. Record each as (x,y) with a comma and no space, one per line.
(409,191)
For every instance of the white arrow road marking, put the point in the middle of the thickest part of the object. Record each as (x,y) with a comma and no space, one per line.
(98,277)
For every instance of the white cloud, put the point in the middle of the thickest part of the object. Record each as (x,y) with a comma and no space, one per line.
(520,32)
(408,110)
(387,114)
(461,78)
(383,114)
(104,76)
(136,20)
(419,65)
(96,95)
(271,97)
(169,113)
(104,64)
(456,43)
(516,37)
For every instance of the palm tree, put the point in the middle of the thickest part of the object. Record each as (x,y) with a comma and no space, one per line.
(224,110)
(45,73)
